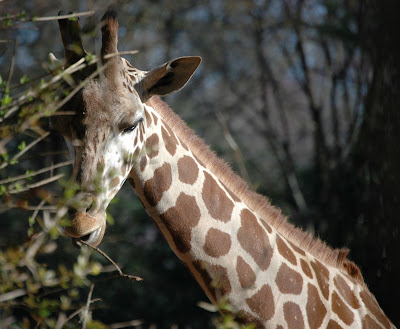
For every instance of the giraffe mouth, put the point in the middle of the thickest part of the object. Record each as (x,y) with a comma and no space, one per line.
(87,228)
(94,238)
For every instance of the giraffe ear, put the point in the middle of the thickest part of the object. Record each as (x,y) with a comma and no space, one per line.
(169,77)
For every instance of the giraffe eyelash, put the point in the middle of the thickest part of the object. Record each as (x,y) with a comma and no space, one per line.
(133,127)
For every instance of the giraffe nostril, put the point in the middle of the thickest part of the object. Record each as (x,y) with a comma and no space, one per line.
(71,211)
(91,204)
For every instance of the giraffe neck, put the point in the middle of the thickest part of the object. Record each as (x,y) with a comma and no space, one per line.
(230,239)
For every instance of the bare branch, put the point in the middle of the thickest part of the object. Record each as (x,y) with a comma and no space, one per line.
(48,18)
(37,184)
(12,66)
(121,274)
(53,18)
(12,295)
(36,211)
(234,146)
(85,312)
(77,312)
(133,323)
(36,173)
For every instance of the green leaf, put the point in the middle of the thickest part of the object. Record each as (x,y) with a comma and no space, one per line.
(3,189)
(6,99)
(110,220)
(5,156)
(44,313)
(24,79)
(22,145)
(31,220)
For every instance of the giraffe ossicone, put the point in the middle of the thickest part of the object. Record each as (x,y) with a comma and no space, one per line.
(236,245)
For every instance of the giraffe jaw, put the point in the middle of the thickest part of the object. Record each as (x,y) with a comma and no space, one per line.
(87,228)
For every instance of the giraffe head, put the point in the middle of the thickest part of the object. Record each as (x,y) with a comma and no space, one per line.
(102,134)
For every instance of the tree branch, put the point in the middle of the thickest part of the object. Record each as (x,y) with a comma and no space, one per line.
(121,274)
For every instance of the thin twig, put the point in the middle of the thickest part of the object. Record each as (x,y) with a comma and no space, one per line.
(35,173)
(52,18)
(121,274)
(36,211)
(234,146)
(132,323)
(28,208)
(85,313)
(37,184)
(48,18)
(12,295)
(5,164)
(78,311)
(10,74)
(126,52)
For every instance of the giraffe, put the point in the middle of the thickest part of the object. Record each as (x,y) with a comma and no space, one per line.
(238,247)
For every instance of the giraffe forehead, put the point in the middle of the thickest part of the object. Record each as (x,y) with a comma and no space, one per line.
(103,106)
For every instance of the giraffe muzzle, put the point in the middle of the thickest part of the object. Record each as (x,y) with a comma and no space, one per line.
(87,228)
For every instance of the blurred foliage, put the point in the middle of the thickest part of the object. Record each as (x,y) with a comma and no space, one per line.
(307,99)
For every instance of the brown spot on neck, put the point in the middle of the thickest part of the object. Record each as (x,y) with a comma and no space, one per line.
(262,303)
(315,309)
(247,277)
(179,221)
(370,302)
(169,139)
(293,316)
(152,145)
(143,163)
(254,240)
(342,311)
(346,292)
(148,118)
(289,281)
(156,186)
(297,249)
(306,268)
(217,243)
(322,274)
(333,325)
(188,170)
(267,226)
(285,251)
(214,278)
(218,204)
(369,323)
(247,318)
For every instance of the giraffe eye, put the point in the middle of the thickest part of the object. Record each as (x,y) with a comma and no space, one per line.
(133,127)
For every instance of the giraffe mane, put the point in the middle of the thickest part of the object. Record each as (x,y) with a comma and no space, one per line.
(257,202)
